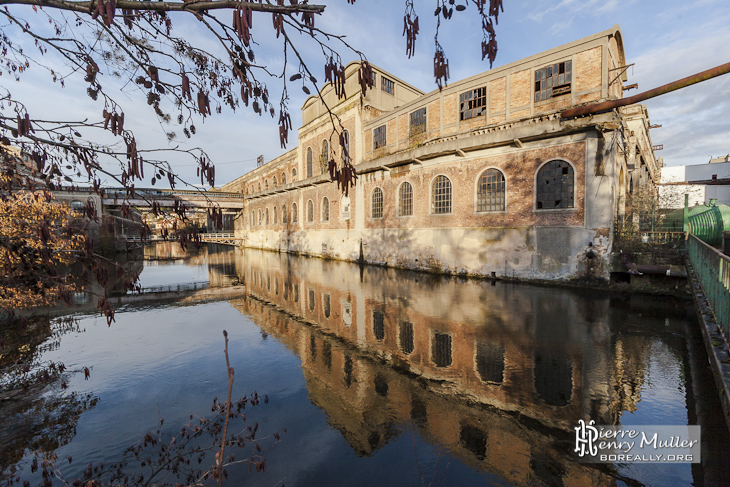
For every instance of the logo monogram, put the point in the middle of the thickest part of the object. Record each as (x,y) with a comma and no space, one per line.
(585,437)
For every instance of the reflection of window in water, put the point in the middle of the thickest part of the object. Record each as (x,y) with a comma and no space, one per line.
(286,291)
(381,385)
(346,311)
(296,293)
(327,354)
(268,283)
(311,300)
(313,347)
(276,286)
(490,361)
(379,325)
(406,336)
(474,440)
(348,370)
(441,349)
(553,377)
(547,470)
(419,414)
(326,299)
(374,440)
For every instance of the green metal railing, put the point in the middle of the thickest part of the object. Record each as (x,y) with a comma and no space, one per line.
(713,270)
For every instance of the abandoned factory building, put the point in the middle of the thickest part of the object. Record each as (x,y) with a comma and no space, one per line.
(483,177)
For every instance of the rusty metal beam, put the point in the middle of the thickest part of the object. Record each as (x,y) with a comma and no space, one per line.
(676,85)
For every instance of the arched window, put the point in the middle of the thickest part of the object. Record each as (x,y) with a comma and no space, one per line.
(276,216)
(266,184)
(324,156)
(441,346)
(376,208)
(275,181)
(293,174)
(405,200)
(283,214)
(490,191)
(259,217)
(267,216)
(294,214)
(259,186)
(310,211)
(346,155)
(253,218)
(309,162)
(283,178)
(441,195)
(555,186)
(325,210)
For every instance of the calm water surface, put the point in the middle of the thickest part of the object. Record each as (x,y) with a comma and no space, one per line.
(385,377)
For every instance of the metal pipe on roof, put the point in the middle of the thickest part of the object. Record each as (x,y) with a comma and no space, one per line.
(676,85)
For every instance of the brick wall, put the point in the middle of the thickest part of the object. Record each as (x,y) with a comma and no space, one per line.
(519,169)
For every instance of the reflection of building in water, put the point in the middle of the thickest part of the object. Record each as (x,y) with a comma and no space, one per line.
(370,402)
(506,348)
(222,260)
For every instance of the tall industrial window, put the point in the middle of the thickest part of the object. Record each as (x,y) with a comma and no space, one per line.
(490,191)
(327,353)
(327,305)
(405,200)
(324,156)
(377,204)
(379,137)
(441,349)
(276,216)
(553,377)
(387,85)
(310,211)
(405,335)
(346,156)
(313,347)
(347,369)
(309,162)
(555,186)
(473,103)
(294,213)
(553,80)
(283,178)
(441,196)
(490,361)
(379,325)
(418,122)
(267,216)
(325,210)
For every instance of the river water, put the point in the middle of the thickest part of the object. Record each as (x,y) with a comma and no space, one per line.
(376,376)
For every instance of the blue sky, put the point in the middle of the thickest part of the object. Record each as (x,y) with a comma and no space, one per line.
(667,40)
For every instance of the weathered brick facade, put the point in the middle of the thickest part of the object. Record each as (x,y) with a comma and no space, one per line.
(504,120)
